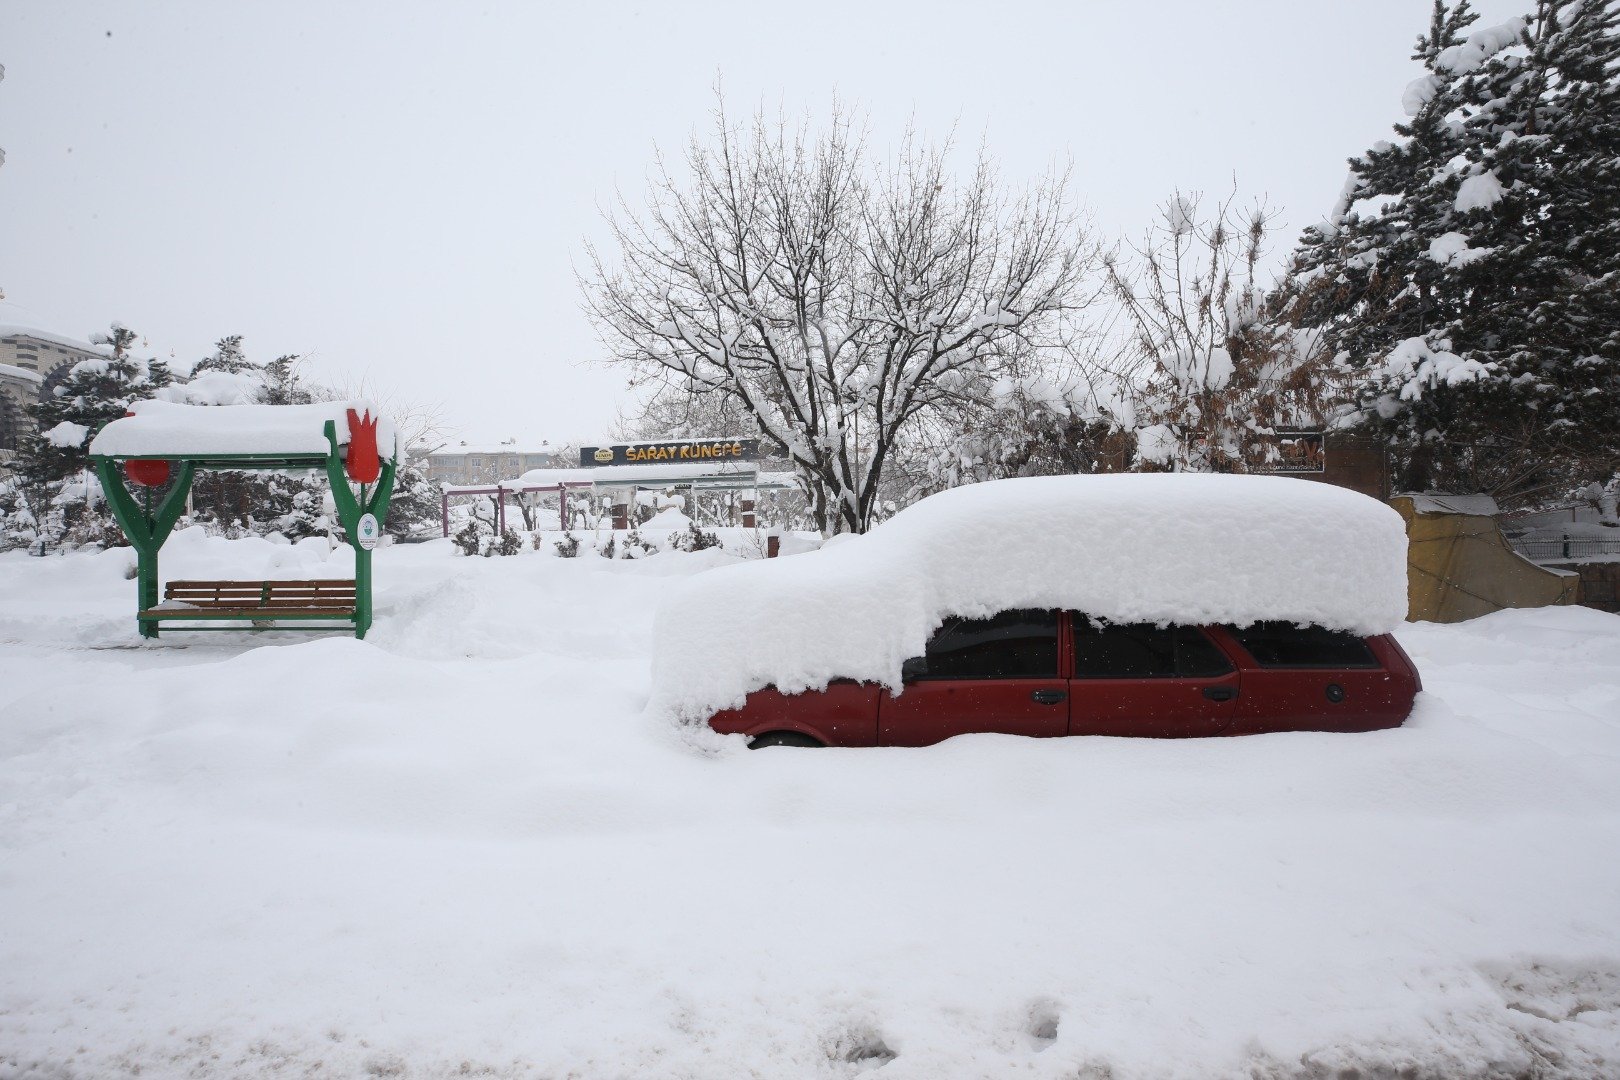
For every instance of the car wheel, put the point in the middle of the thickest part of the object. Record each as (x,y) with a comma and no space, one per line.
(781,738)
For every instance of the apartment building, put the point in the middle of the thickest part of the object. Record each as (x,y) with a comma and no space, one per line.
(31,363)
(464,463)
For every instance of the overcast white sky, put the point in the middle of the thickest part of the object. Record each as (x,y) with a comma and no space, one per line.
(400,191)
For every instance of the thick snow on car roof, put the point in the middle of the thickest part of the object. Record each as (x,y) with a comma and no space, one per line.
(1164,548)
(168,428)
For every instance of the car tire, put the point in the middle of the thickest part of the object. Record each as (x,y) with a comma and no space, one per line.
(781,738)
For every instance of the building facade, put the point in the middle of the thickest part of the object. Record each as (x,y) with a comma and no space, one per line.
(32,362)
(487,463)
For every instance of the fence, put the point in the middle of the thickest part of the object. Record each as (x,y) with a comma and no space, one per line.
(1565,550)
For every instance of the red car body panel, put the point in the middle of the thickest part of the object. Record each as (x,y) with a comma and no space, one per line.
(1322,698)
(844,714)
(933,710)
(1168,707)
(1250,699)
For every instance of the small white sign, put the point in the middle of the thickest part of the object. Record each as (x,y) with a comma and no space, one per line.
(367,532)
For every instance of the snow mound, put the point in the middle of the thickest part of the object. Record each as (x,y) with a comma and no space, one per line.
(1481,46)
(166,428)
(1130,548)
(1452,249)
(1481,191)
(217,388)
(67,435)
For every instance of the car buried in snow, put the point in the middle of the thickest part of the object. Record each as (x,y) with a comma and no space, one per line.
(1048,673)
(1166,606)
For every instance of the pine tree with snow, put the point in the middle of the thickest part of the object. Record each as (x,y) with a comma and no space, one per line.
(283,384)
(95,391)
(415,502)
(1477,304)
(228,356)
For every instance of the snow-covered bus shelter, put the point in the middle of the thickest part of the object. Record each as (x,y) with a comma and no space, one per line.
(162,444)
(621,483)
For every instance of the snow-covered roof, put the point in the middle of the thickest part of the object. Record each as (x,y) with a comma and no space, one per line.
(1472,505)
(493,448)
(673,473)
(1179,548)
(13,330)
(168,429)
(12,371)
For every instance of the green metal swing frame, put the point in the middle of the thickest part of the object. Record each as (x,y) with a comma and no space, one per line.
(147,527)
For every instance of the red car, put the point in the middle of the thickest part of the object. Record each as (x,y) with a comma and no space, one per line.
(1048,673)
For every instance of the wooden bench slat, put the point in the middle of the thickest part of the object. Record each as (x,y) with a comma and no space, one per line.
(256,593)
(251,601)
(329,601)
(241,613)
(275,583)
(258,601)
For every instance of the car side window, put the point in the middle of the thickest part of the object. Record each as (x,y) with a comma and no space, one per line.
(1144,651)
(1284,645)
(1012,645)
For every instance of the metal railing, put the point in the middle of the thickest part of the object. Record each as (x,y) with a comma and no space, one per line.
(1567,549)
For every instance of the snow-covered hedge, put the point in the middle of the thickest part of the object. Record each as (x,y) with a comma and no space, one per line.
(1130,548)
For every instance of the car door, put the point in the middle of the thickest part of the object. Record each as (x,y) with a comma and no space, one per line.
(1307,678)
(1167,682)
(999,674)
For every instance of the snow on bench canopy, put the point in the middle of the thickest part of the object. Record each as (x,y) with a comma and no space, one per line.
(1162,548)
(171,430)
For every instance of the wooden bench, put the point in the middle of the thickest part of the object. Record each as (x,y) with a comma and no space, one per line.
(264,603)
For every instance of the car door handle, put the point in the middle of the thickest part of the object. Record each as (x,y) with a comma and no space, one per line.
(1049,697)
(1220,693)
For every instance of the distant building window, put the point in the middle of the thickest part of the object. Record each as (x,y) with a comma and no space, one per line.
(477,461)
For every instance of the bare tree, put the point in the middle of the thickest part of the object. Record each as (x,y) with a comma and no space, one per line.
(834,298)
(1208,368)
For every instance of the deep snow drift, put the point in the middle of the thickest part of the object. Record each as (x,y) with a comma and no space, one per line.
(461,847)
(1170,547)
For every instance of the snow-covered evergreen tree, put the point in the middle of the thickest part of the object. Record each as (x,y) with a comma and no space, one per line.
(415,504)
(53,497)
(95,391)
(283,385)
(228,356)
(1470,276)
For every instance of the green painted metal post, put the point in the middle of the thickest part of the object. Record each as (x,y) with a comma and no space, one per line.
(146,574)
(147,529)
(349,511)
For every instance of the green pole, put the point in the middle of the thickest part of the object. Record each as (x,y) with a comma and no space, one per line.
(349,511)
(146,528)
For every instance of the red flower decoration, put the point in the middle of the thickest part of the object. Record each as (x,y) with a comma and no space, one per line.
(362,464)
(147,472)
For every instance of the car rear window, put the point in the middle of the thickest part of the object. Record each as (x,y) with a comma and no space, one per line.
(1011,645)
(1284,645)
(1142,650)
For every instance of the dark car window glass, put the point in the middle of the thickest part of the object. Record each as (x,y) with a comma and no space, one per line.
(1011,645)
(1197,656)
(1281,644)
(1142,650)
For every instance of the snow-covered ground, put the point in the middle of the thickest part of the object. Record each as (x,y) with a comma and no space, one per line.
(461,848)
